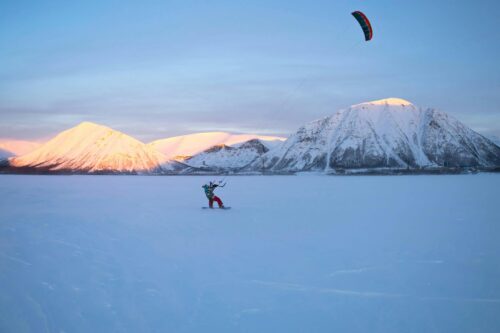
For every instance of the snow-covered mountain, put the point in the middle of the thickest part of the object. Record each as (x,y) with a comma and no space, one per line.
(231,158)
(192,144)
(18,147)
(4,154)
(92,148)
(388,133)
(495,139)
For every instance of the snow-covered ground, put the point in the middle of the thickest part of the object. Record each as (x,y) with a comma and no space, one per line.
(294,254)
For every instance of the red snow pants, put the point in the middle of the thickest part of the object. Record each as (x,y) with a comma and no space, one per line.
(215,198)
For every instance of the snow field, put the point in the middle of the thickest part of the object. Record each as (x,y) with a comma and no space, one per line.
(294,254)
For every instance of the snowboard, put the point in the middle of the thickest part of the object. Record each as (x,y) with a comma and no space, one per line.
(216,208)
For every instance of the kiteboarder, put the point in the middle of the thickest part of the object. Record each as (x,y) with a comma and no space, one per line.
(209,192)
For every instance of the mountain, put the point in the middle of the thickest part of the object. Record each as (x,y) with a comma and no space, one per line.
(495,139)
(192,144)
(390,133)
(92,148)
(4,154)
(18,147)
(230,158)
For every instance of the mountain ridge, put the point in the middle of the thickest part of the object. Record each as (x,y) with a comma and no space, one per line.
(92,148)
(372,137)
(192,144)
(390,133)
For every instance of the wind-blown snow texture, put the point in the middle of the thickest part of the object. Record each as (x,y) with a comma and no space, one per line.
(294,254)
(389,133)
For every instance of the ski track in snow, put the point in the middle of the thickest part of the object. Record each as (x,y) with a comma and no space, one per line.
(373,268)
(77,247)
(16,259)
(304,288)
(434,262)
(42,312)
(355,270)
(367,294)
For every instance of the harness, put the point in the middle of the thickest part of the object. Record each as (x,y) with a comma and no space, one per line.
(209,191)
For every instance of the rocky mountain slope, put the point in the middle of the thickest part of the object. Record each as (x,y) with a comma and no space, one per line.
(390,133)
(231,158)
(192,144)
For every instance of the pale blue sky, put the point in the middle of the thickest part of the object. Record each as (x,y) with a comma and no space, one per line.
(160,68)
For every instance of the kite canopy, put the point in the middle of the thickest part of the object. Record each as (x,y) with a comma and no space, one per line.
(365,24)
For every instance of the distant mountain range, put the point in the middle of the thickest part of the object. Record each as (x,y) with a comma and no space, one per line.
(16,147)
(96,149)
(192,144)
(385,136)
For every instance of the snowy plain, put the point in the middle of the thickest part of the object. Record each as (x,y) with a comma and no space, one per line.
(303,253)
